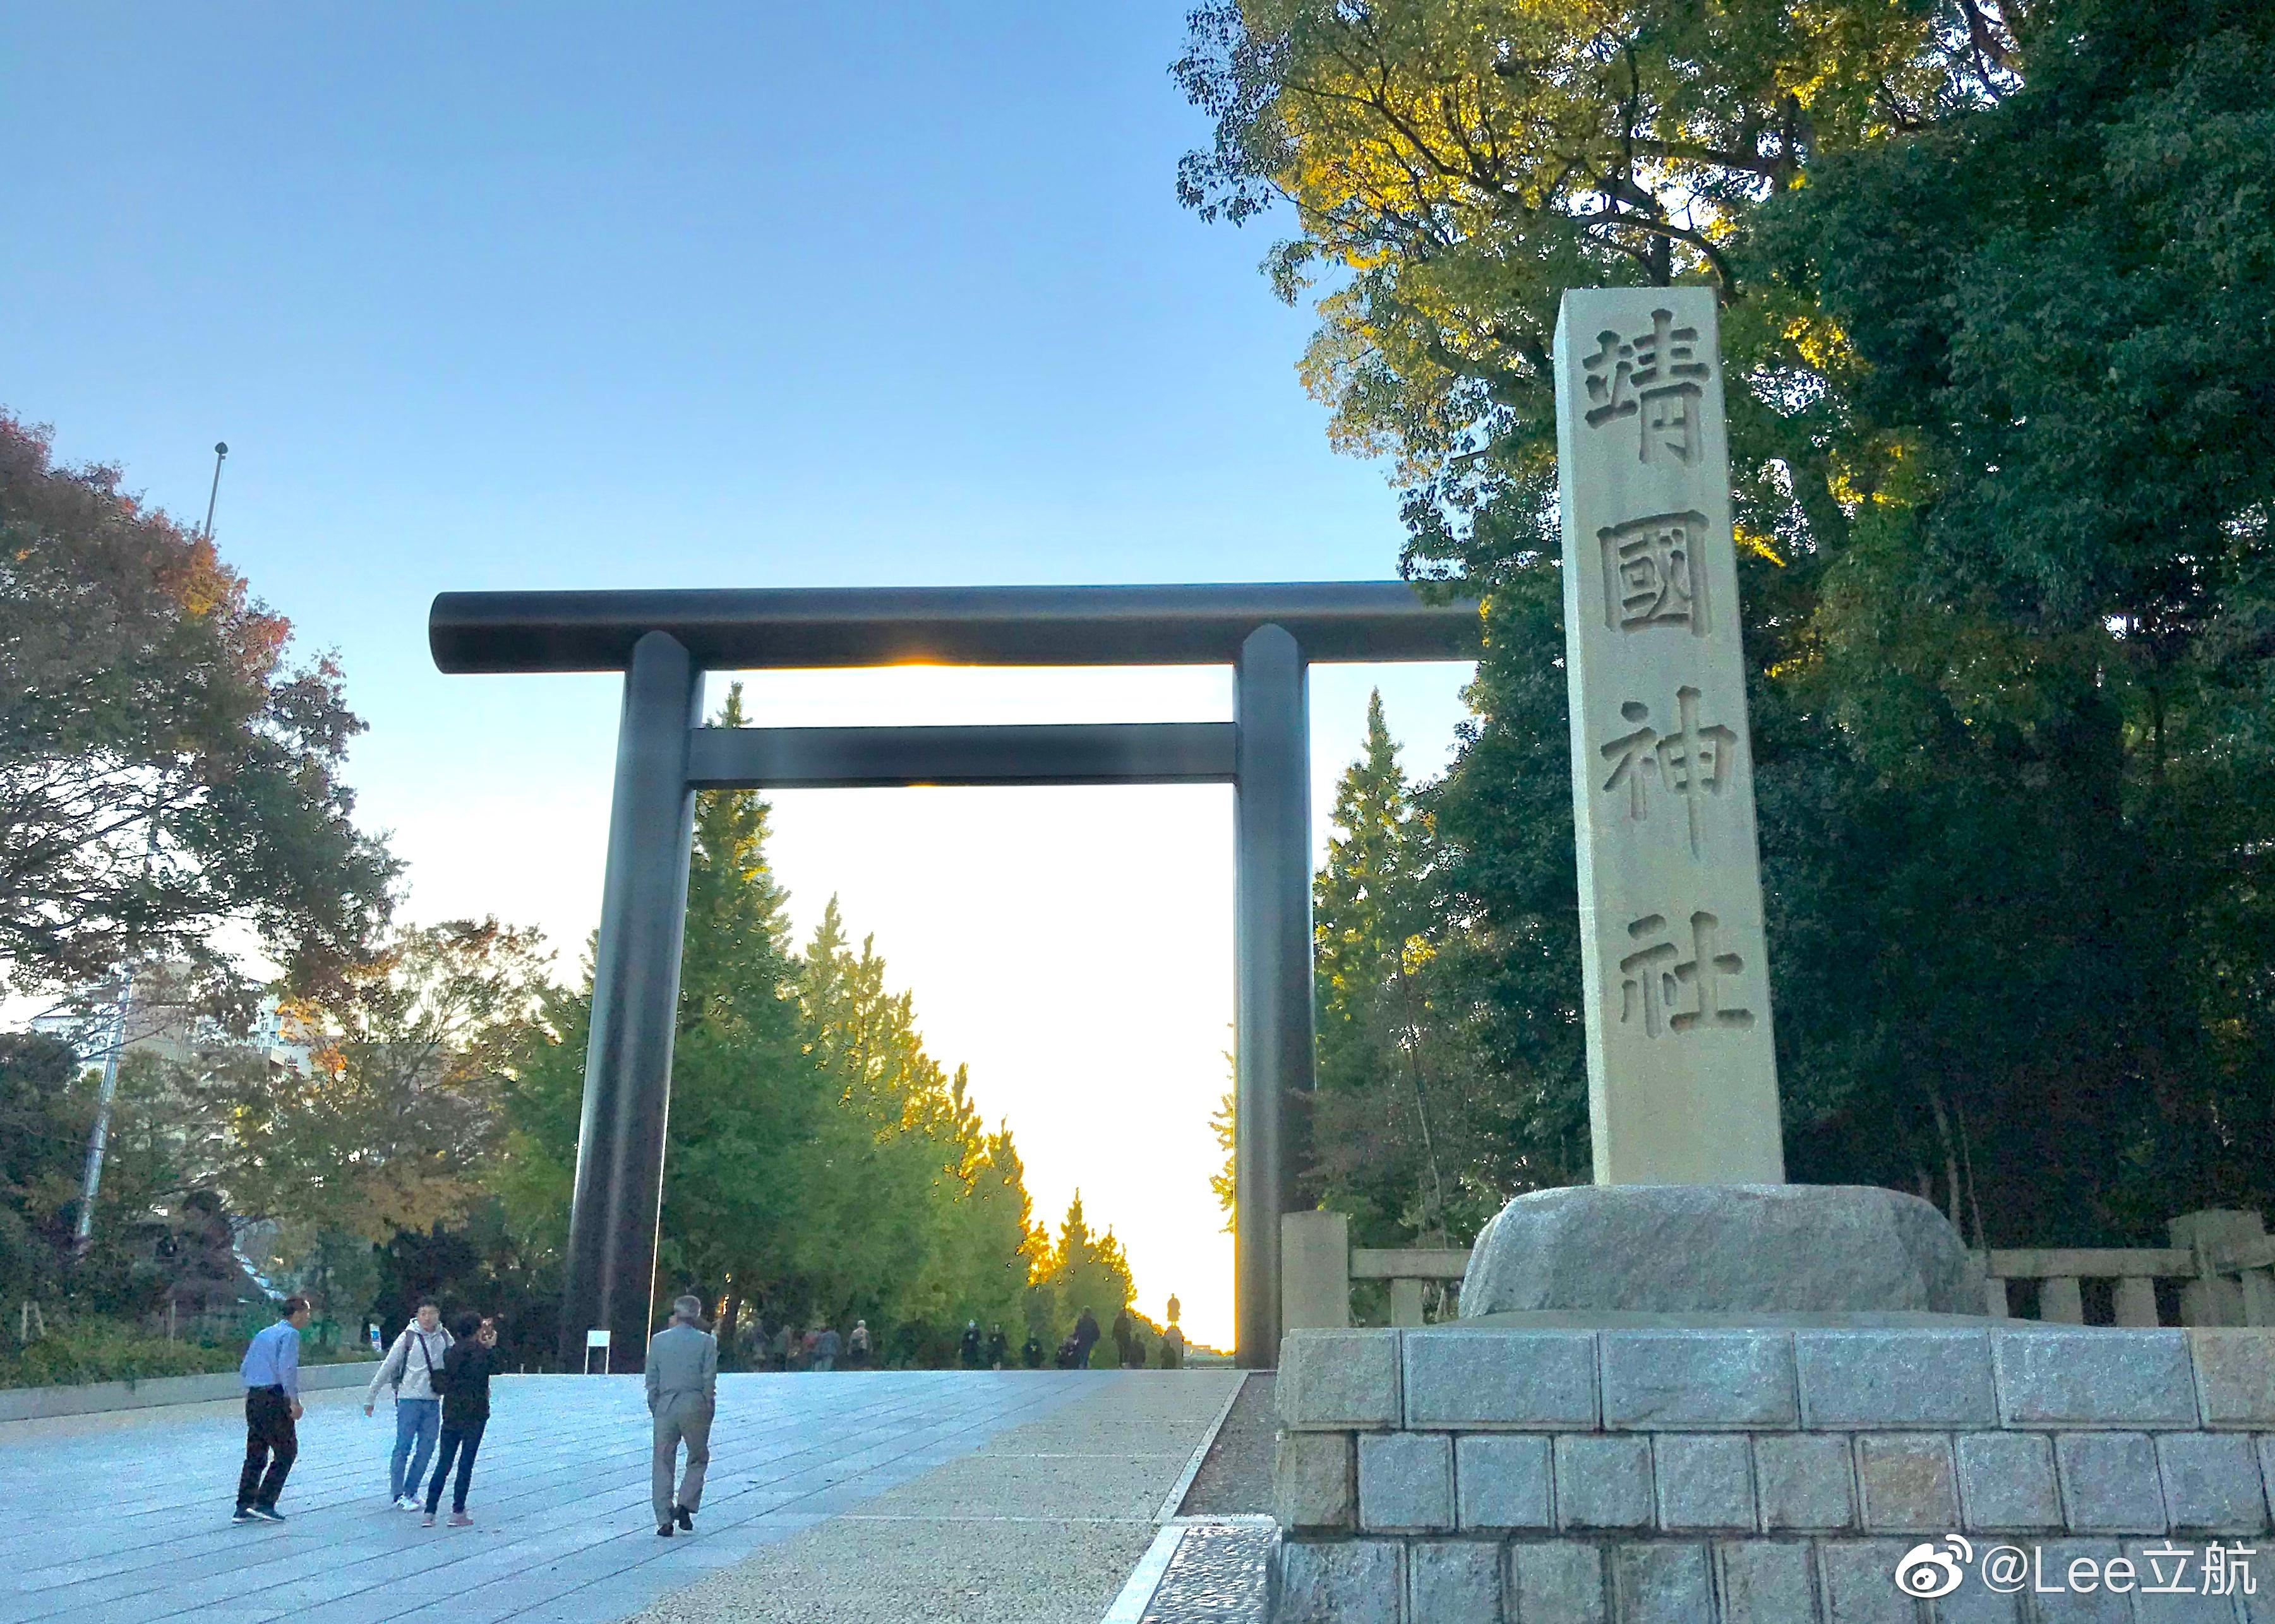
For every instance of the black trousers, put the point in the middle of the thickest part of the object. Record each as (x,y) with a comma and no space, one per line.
(271,1445)
(460,1439)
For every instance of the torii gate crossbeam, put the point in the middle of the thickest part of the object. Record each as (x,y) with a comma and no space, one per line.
(664,641)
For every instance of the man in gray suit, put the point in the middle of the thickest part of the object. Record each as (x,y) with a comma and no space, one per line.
(683,1392)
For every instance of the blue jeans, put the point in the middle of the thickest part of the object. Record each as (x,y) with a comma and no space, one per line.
(461,1441)
(416,1421)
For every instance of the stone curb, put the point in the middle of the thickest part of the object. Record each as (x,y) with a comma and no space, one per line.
(97,1397)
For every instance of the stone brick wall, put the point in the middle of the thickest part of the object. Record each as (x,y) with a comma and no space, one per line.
(1491,1476)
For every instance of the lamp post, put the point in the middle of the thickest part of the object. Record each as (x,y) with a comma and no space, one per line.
(221,449)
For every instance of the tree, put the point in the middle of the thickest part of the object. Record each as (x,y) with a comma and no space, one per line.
(1998,380)
(389,1126)
(998,1247)
(1086,1271)
(161,770)
(930,1221)
(1394,1141)
(1224,1124)
(1454,165)
(159,1183)
(1369,916)
(2045,651)
(43,1140)
(749,1102)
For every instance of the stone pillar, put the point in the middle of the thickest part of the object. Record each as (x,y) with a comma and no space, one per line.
(2211,1299)
(1406,1302)
(2135,1303)
(1314,1270)
(2060,1302)
(1682,1065)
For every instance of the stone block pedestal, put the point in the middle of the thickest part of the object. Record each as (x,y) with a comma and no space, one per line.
(1721,1249)
(1768,1475)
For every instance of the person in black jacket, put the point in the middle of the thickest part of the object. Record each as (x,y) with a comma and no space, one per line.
(465,1411)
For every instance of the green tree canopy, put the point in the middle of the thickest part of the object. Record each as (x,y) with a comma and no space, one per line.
(1391,1140)
(388,1127)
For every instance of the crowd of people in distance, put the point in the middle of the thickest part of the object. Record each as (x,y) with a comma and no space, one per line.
(994,1352)
(440,1380)
(760,1346)
(763,1346)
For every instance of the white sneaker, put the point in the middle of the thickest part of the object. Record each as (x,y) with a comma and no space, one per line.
(407,1503)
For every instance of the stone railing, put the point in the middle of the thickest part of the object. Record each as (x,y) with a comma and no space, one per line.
(2223,1263)
(1318,1266)
(2060,1274)
(1409,1270)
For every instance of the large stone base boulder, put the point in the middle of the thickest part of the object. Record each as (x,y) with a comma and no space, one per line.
(1720,1250)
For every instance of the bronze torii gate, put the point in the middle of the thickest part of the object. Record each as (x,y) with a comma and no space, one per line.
(664,641)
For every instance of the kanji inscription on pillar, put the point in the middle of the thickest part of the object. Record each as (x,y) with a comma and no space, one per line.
(1682,1061)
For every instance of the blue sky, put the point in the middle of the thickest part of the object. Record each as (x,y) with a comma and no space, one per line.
(583,296)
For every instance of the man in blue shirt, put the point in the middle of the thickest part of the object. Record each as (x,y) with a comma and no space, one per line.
(271,1374)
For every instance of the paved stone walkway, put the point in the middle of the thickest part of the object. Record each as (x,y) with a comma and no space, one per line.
(1040,1524)
(125,1516)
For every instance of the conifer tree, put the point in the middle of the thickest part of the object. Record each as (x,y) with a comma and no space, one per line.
(1374,1148)
(932,1222)
(748,1103)
(1088,1271)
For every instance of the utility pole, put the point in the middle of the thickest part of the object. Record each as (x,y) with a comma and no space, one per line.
(99,1139)
(91,1185)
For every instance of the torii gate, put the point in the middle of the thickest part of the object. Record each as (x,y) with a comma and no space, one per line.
(664,641)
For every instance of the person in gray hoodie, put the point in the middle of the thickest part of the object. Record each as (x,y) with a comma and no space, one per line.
(411,1369)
